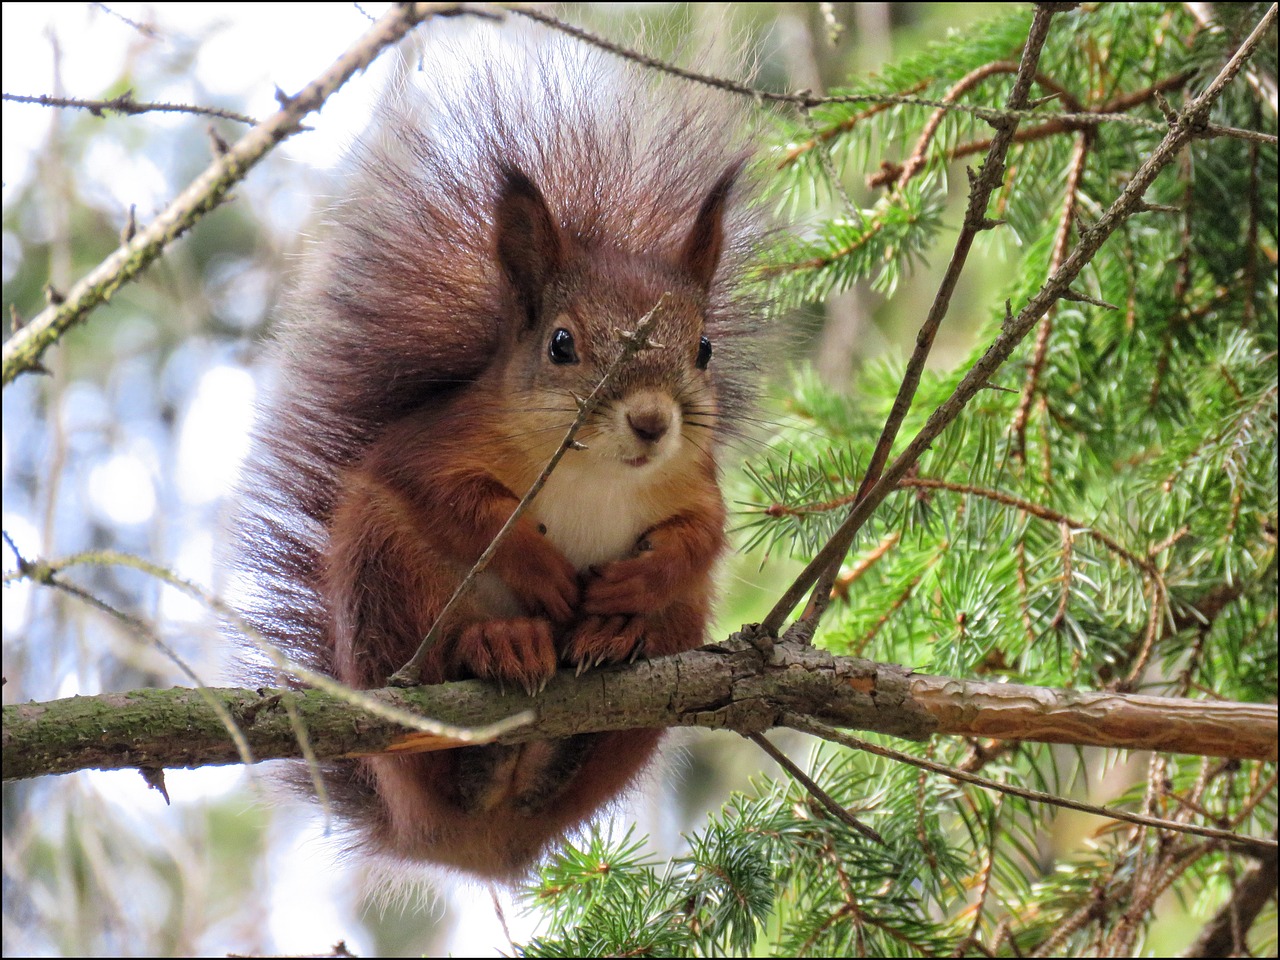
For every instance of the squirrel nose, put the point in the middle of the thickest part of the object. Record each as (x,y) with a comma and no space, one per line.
(650,424)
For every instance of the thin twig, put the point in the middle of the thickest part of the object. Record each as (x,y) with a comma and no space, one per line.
(808,725)
(1015,329)
(144,629)
(840,589)
(632,343)
(971,79)
(1223,935)
(143,28)
(1060,123)
(806,781)
(988,870)
(1039,511)
(1075,173)
(844,126)
(127,105)
(1263,84)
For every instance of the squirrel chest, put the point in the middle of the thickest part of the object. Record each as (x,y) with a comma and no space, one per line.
(595,513)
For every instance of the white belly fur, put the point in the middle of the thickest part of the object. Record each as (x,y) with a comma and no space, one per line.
(595,511)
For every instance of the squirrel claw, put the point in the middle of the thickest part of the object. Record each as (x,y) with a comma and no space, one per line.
(598,640)
(520,650)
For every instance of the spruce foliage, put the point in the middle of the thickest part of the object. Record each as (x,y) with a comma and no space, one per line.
(1104,518)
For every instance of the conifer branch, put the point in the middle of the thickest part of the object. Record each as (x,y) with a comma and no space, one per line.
(1188,126)
(810,726)
(982,185)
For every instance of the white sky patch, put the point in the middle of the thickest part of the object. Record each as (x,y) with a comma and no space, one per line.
(195,563)
(128,178)
(203,783)
(69,685)
(214,437)
(121,490)
(311,905)
(17,595)
(245,51)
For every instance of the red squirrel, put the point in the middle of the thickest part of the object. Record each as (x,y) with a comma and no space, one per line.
(498,235)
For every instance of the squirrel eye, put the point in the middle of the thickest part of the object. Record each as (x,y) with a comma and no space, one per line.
(704,353)
(561,349)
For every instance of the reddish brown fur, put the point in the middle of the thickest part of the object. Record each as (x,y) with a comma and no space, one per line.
(419,402)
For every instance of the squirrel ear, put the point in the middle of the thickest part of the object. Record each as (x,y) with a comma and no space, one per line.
(701,253)
(531,246)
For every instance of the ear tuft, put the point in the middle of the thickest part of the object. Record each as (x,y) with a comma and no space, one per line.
(701,253)
(530,244)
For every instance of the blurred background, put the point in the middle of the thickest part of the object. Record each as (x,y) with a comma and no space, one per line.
(134,441)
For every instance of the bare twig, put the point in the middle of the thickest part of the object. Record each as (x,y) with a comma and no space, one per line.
(127,105)
(806,781)
(46,572)
(632,343)
(143,28)
(817,729)
(144,629)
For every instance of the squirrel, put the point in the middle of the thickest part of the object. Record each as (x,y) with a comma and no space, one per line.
(501,228)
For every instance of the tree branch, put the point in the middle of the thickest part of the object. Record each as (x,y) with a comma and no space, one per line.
(127,105)
(1250,894)
(731,686)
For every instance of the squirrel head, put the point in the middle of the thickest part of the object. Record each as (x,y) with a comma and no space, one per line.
(573,301)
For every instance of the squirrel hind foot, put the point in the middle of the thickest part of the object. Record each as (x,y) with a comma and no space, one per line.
(599,640)
(519,650)
(528,777)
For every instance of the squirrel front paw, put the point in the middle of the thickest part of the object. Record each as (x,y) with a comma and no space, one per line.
(543,580)
(637,585)
(598,640)
(519,650)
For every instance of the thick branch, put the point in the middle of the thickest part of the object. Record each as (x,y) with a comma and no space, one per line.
(725,687)
(1221,936)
